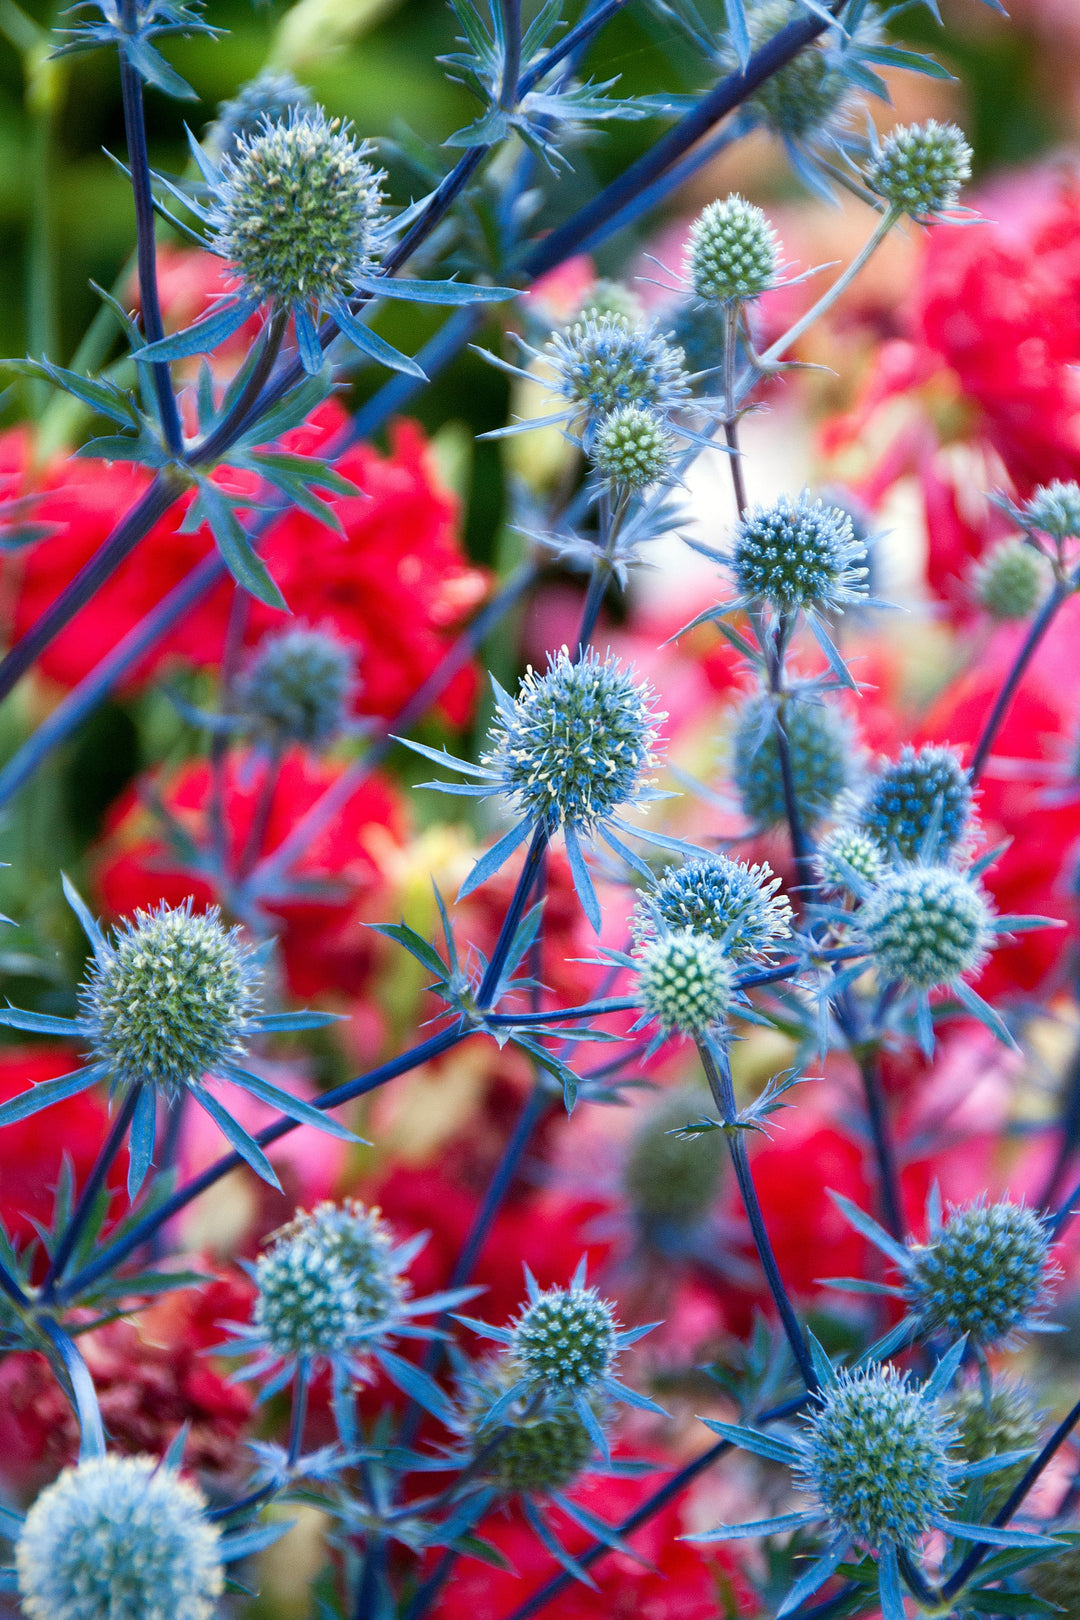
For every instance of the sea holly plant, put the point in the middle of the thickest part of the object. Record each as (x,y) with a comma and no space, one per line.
(808,935)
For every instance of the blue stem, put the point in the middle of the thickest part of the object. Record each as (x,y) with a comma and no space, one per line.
(115,1253)
(95,1182)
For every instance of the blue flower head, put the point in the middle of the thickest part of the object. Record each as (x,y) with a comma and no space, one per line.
(918,806)
(848,859)
(667,1178)
(119,1538)
(797,553)
(1010,581)
(631,448)
(927,926)
(297,686)
(823,755)
(920,168)
(686,981)
(735,903)
(1054,509)
(985,1272)
(268,98)
(604,362)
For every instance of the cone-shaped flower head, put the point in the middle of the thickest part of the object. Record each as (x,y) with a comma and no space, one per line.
(984,1274)
(907,799)
(297,686)
(1010,581)
(809,93)
(822,751)
(846,856)
(686,981)
(119,1538)
(876,1456)
(1054,509)
(576,742)
(927,925)
(543,1450)
(733,253)
(566,1339)
(632,448)
(798,553)
(920,168)
(667,1177)
(297,210)
(174,996)
(1010,1422)
(269,98)
(603,363)
(732,902)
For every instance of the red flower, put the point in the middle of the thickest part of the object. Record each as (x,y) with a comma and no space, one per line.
(31,1154)
(394,584)
(325,945)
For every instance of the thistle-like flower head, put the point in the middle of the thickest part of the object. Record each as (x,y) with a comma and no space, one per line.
(920,168)
(810,94)
(733,253)
(297,686)
(119,1538)
(577,741)
(297,210)
(543,1450)
(846,856)
(732,902)
(984,1273)
(269,98)
(668,1178)
(1010,581)
(612,298)
(602,363)
(173,997)
(1009,1422)
(1054,509)
(632,448)
(566,1339)
(686,981)
(927,925)
(876,1457)
(798,553)
(822,751)
(919,804)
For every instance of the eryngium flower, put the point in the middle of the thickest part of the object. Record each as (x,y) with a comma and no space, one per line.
(686,981)
(175,997)
(733,252)
(1054,509)
(808,94)
(877,1458)
(576,742)
(1010,580)
(544,1450)
(983,1274)
(918,806)
(611,298)
(734,903)
(297,686)
(821,748)
(119,1538)
(667,1177)
(631,448)
(603,363)
(566,1339)
(1011,1422)
(920,168)
(927,925)
(798,553)
(269,98)
(297,210)
(846,857)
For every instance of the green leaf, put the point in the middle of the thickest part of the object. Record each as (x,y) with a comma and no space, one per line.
(236,551)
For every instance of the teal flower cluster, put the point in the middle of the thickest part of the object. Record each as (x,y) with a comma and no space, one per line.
(731,901)
(918,806)
(297,686)
(686,981)
(822,752)
(732,253)
(798,553)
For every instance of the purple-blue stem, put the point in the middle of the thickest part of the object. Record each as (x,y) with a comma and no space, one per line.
(88,1197)
(1026,652)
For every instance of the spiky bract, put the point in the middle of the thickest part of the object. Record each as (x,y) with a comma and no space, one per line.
(920,168)
(876,1456)
(119,1538)
(268,98)
(846,856)
(733,253)
(173,997)
(667,1177)
(632,448)
(685,981)
(1009,582)
(566,1339)
(1054,509)
(603,362)
(984,1274)
(798,553)
(297,209)
(927,925)
(297,686)
(908,798)
(734,903)
(821,749)
(576,742)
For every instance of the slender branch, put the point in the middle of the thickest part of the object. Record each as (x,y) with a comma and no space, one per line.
(511,22)
(88,1198)
(892,1202)
(1026,652)
(840,285)
(139,166)
(231,426)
